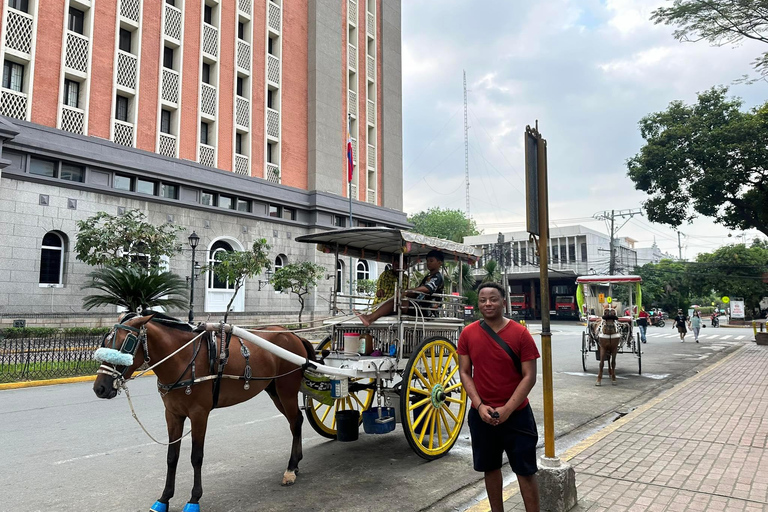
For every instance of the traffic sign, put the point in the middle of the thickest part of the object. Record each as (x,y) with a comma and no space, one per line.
(601,298)
(609,300)
(726,299)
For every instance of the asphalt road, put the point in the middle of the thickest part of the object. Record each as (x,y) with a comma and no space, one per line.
(65,450)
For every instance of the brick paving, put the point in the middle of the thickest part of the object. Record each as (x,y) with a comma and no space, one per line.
(702,446)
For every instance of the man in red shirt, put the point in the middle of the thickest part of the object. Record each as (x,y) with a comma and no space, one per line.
(500,419)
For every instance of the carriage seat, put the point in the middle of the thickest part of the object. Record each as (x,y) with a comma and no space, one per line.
(594,318)
(625,319)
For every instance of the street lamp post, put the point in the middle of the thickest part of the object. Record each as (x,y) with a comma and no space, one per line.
(193,241)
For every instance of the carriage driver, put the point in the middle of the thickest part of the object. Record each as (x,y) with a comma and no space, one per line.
(498,383)
(431,283)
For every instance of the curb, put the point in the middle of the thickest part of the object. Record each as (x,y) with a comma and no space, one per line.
(52,382)
(512,489)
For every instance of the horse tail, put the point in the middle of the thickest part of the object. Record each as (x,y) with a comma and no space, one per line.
(311,355)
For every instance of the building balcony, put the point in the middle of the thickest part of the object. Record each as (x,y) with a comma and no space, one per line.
(353,191)
(123,133)
(273,70)
(352,12)
(273,17)
(273,173)
(371,68)
(242,165)
(244,55)
(167,145)
(76,57)
(208,100)
(352,103)
(242,111)
(127,65)
(131,10)
(72,119)
(172,28)
(210,40)
(352,57)
(18,32)
(170,86)
(371,196)
(273,124)
(13,104)
(371,113)
(371,156)
(207,155)
(371,25)
(244,6)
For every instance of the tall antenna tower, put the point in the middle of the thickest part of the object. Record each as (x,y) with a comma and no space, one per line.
(466,143)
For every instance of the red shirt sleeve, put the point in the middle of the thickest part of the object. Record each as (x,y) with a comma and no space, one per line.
(528,349)
(463,346)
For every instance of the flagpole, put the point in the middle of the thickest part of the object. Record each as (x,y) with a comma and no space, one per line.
(349,193)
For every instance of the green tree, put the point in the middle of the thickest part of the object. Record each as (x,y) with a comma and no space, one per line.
(298,278)
(705,159)
(235,266)
(665,285)
(444,223)
(455,272)
(492,272)
(366,286)
(124,241)
(720,22)
(135,287)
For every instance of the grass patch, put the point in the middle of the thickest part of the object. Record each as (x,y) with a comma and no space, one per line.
(19,372)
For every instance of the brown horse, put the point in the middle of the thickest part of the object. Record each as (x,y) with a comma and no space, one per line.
(187,382)
(609,338)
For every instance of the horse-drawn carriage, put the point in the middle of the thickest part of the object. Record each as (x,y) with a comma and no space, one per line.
(628,339)
(413,362)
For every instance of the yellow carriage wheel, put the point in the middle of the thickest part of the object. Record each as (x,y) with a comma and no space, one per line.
(322,417)
(433,402)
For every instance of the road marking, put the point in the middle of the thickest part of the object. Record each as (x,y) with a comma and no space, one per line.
(727,336)
(740,337)
(713,337)
(672,335)
(656,335)
(582,374)
(653,376)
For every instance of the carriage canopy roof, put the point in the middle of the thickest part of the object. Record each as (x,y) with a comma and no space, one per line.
(383,244)
(609,279)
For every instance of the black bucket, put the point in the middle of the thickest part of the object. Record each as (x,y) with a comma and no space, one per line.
(347,425)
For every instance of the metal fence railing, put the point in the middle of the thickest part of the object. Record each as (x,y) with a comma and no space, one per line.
(36,356)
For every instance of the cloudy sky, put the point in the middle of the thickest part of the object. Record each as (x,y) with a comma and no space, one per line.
(587,70)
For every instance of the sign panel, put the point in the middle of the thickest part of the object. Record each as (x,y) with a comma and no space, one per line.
(601,298)
(737,308)
(531,183)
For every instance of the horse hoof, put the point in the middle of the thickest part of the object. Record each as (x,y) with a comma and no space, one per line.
(613,383)
(191,507)
(598,383)
(159,506)
(289,478)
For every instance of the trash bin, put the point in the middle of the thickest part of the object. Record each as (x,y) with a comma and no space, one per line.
(469,312)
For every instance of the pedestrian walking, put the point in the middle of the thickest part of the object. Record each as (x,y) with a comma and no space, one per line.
(497,365)
(642,324)
(696,325)
(680,322)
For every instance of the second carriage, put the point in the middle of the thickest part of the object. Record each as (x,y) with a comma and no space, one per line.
(630,335)
(411,367)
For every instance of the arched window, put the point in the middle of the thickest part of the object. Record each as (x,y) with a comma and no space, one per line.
(387,267)
(280,261)
(363,271)
(339,276)
(213,281)
(52,259)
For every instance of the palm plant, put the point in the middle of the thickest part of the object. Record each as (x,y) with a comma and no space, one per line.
(492,272)
(133,287)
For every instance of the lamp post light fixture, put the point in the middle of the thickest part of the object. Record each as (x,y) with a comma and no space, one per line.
(263,282)
(193,241)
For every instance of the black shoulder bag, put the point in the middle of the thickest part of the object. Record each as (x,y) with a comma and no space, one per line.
(495,337)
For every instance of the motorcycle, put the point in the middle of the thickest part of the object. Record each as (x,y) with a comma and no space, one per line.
(657,321)
(715,321)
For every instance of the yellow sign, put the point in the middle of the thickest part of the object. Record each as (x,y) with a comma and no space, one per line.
(726,299)
(601,298)
(609,300)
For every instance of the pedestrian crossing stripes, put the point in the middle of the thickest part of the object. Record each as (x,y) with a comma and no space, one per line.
(727,336)
(739,337)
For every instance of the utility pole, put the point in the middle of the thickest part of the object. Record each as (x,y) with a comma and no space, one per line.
(466,144)
(610,220)
(503,260)
(679,248)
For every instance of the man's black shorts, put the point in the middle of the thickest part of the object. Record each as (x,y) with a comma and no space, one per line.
(517,436)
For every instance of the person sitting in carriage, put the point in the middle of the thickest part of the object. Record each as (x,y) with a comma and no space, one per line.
(422,295)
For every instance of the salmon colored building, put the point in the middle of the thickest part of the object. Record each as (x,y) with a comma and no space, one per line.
(228,117)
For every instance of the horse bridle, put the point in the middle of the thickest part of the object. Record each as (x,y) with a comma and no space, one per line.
(130,346)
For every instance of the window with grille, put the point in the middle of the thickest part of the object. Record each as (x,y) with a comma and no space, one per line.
(168,58)
(13,76)
(363,271)
(19,5)
(203,133)
(125,40)
(339,275)
(206,73)
(52,259)
(121,108)
(280,261)
(213,281)
(165,121)
(71,93)
(76,19)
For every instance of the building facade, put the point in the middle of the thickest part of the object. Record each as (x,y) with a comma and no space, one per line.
(228,118)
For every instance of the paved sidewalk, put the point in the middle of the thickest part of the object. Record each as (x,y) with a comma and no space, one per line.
(703,445)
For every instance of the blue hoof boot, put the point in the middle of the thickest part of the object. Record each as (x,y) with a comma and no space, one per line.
(191,507)
(159,507)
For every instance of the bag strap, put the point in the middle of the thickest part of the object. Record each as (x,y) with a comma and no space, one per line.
(503,344)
